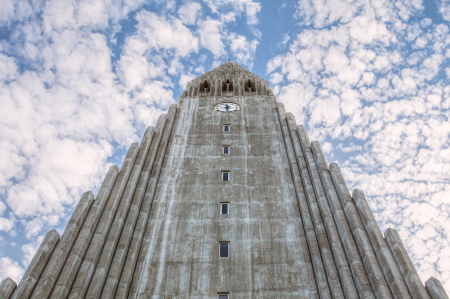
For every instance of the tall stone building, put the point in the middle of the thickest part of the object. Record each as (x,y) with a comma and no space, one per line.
(226,197)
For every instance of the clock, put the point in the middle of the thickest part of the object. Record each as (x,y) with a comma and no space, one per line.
(227,107)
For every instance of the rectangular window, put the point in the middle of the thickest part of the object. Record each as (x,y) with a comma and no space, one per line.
(223,296)
(224,208)
(223,249)
(225,176)
(226,149)
(226,128)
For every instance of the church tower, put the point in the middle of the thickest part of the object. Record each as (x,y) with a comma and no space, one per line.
(226,197)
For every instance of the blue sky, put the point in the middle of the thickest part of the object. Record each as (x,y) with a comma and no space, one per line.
(81,80)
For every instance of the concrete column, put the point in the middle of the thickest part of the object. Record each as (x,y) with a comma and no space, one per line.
(120,255)
(435,288)
(7,286)
(384,256)
(37,265)
(376,278)
(351,252)
(104,263)
(72,265)
(92,255)
(333,236)
(405,265)
(312,253)
(131,274)
(58,257)
(313,243)
(332,274)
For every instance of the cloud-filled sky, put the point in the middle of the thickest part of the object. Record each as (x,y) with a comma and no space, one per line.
(80,80)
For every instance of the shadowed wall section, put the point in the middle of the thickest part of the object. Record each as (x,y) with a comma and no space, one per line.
(292,228)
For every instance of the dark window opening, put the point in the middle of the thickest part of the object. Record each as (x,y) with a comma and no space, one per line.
(226,128)
(223,296)
(224,208)
(227,86)
(205,87)
(225,176)
(249,86)
(223,249)
(226,150)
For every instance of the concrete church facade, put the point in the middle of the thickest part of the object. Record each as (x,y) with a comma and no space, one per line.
(226,197)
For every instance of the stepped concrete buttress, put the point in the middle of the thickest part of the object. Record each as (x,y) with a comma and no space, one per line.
(292,227)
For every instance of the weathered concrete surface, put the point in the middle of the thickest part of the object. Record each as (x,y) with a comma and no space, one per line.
(7,287)
(291,158)
(376,278)
(185,225)
(384,256)
(87,268)
(435,289)
(324,245)
(131,282)
(359,274)
(340,259)
(405,265)
(305,190)
(125,259)
(72,265)
(109,248)
(37,265)
(59,255)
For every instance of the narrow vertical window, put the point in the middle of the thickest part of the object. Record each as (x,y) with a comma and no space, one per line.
(226,150)
(223,249)
(225,176)
(226,128)
(224,208)
(223,296)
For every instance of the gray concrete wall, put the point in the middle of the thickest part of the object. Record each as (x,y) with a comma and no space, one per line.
(264,225)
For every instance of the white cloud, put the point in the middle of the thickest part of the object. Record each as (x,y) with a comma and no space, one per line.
(351,148)
(164,33)
(211,36)
(327,148)
(444,9)
(10,268)
(189,12)
(184,79)
(243,50)
(248,7)
(30,249)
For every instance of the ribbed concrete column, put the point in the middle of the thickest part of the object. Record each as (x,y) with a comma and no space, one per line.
(138,231)
(376,278)
(37,265)
(435,288)
(351,252)
(333,236)
(104,263)
(134,268)
(72,265)
(92,256)
(120,255)
(319,269)
(405,265)
(309,275)
(384,256)
(57,259)
(7,287)
(321,234)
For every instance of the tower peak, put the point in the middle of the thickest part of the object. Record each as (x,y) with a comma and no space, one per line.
(229,71)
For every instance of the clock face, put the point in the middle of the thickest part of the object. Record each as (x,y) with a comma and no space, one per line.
(227,107)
